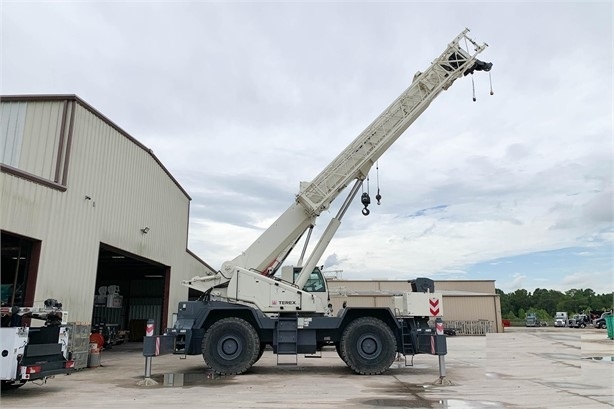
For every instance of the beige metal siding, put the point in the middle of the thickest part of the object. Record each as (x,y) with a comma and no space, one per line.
(467,309)
(470,308)
(114,188)
(476,286)
(12,120)
(395,286)
(33,136)
(130,191)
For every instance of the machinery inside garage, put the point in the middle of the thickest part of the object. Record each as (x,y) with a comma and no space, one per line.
(129,291)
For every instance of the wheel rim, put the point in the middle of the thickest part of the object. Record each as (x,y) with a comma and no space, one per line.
(368,346)
(229,347)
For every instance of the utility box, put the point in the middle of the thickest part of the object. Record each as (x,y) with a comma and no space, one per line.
(114,301)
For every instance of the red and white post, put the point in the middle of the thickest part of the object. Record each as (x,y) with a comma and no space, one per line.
(149,331)
(442,358)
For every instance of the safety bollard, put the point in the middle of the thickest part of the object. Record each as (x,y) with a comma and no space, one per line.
(149,331)
(442,358)
(440,340)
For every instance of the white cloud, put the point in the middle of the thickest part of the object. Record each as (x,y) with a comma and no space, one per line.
(604,281)
(242,101)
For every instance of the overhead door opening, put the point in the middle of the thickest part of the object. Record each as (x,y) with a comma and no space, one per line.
(129,290)
(19,266)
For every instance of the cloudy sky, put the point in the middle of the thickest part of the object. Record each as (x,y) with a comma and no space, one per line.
(243,100)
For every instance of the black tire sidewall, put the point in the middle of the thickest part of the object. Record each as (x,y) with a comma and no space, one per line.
(368,328)
(248,345)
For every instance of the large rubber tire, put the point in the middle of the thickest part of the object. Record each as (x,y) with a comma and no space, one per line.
(231,346)
(368,346)
(338,349)
(260,352)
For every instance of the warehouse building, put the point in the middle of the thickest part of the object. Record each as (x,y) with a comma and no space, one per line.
(89,217)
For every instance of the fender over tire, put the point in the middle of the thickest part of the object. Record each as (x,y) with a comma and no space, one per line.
(368,346)
(231,346)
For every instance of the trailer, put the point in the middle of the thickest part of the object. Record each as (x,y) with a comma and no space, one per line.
(31,354)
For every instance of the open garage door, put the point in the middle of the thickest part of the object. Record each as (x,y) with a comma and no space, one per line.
(20,257)
(129,291)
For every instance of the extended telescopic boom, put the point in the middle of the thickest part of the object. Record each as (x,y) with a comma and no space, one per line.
(353,164)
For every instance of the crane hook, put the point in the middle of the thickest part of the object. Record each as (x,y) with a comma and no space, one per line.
(366,201)
(378,197)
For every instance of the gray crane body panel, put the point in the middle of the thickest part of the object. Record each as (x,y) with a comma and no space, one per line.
(313,331)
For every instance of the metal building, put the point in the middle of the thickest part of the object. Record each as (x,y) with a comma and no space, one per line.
(472,307)
(89,217)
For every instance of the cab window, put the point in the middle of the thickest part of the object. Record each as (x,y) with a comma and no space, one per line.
(315,283)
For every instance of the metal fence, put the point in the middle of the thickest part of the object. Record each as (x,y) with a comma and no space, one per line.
(480,327)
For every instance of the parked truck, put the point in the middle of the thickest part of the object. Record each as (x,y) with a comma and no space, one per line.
(255,301)
(579,321)
(561,319)
(33,353)
(532,321)
(601,321)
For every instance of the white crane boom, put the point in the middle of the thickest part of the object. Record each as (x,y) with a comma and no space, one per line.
(267,253)
(357,158)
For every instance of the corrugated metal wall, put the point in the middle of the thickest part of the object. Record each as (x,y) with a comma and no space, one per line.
(114,188)
(12,119)
(476,286)
(32,134)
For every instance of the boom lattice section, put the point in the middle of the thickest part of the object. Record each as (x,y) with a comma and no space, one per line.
(357,158)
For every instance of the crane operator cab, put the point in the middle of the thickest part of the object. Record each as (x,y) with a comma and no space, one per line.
(316,284)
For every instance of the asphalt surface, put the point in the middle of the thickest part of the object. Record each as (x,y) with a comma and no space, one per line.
(521,368)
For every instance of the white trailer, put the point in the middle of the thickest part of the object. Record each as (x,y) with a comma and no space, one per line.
(33,353)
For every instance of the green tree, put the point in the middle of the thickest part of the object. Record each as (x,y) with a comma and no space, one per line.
(520,300)
(548,302)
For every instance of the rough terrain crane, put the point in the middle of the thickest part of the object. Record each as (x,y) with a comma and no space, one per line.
(246,306)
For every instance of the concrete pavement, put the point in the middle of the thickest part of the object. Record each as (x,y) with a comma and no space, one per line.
(522,368)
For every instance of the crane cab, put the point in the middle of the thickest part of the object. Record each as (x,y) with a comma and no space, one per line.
(315,285)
